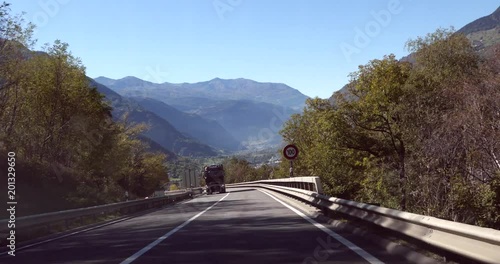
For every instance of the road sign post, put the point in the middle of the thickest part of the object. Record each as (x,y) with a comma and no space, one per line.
(290,152)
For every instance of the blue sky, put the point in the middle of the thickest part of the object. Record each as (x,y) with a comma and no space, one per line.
(309,45)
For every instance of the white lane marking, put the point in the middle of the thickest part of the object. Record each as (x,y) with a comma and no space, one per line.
(171,232)
(83,230)
(72,233)
(367,256)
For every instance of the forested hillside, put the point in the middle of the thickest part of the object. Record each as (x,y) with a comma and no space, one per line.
(203,129)
(248,114)
(420,137)
(160,130)
(69,152)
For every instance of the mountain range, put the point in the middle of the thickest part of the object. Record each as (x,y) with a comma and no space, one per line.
(192,125)
(215,89)
(161,135)
(220,116)
(211,113)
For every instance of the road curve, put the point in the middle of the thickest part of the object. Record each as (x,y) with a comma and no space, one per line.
(242,226)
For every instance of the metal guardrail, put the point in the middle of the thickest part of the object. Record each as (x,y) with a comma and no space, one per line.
(310,183)
(47,219)
(476,243)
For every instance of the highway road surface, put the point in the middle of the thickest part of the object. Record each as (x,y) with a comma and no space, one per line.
(241,226)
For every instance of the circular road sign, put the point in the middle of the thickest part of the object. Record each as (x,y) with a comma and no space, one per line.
(290,152)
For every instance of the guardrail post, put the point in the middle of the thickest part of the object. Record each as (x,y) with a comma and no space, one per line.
(317,184)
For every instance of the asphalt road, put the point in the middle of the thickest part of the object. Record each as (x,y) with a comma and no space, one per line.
(242,226)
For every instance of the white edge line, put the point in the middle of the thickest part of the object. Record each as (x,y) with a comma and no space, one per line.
(367,256)
(171,232)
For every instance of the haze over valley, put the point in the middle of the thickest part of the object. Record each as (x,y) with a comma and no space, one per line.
(227,115)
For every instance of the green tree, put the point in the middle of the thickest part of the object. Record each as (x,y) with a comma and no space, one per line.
(15,37)
(376,114)
(61,127)
(319,133)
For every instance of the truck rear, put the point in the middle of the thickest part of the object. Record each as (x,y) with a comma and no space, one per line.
(214,179)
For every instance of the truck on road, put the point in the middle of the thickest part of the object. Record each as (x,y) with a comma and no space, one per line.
(214,178)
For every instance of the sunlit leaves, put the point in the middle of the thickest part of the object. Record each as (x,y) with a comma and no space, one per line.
(58,123)
(422,135)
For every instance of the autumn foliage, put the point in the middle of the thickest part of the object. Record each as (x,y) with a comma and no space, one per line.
(421,136)
(70,152)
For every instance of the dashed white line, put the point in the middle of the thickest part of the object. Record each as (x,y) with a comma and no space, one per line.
(367,256)
(171,232)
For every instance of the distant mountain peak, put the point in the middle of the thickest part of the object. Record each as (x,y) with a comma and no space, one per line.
(105,78)
(216,81)
(134,81)
(215,89)
(221,80)
(131,78)
(484,23)
(484,33)
(496,14)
